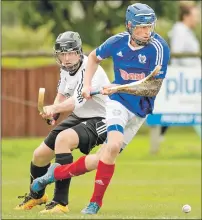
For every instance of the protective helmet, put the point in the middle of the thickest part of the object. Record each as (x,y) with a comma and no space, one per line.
(139,14)
(67,42)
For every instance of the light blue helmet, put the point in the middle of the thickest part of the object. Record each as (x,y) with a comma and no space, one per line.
(139,14)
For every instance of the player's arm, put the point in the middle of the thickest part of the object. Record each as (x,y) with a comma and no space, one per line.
(70,104)
(148,89)
(91,68)
(66,106)
(59,98)
(160,56)
(94,58)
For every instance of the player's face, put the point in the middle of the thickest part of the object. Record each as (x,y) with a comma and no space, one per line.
(143,33)
(69,59)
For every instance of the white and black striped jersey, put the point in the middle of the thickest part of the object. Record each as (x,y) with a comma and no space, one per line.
(71,85)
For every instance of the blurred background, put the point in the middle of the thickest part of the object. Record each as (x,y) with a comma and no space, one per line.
(28,31)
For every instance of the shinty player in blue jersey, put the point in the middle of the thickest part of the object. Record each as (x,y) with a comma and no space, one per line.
(135,54)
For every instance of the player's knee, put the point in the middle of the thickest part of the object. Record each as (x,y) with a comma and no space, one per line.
(98,154)
(91,162)
(114,147)
(37,157)
(95,161)
(66,140)
(42,155)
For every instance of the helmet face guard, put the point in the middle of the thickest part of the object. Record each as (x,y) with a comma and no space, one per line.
(68,42)
(140,15)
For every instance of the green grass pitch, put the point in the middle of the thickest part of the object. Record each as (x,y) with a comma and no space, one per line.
(144,186)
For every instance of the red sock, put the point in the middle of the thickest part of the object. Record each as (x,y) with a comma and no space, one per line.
(69,170)
(102,180)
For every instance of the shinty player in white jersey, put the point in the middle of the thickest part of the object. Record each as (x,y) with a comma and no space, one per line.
(84,127)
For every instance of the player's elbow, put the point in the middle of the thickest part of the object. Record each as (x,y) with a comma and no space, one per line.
(92,56)
(60,98)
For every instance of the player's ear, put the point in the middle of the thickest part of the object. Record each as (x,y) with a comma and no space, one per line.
(128,24)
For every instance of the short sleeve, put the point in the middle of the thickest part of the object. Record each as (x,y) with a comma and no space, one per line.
(78,98)
(160,56)
(106,49)
(61,83)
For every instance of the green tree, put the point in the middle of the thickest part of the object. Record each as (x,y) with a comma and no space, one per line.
(94,20)
(9,13)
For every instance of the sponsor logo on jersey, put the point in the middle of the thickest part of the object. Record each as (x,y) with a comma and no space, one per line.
(131,76)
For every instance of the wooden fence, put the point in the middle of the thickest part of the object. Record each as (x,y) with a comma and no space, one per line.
(20,87)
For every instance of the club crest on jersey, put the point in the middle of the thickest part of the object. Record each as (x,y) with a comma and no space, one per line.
(142,58)
(119,54)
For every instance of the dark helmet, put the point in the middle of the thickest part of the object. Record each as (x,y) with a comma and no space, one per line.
(67,42)
(139,14)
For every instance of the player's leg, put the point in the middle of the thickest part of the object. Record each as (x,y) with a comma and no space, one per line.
(82,136)
(163,131)
(131,130)
(91,133)
(107,161)
(81,166)
(60,172)
(85,163)
(40,163)
(38,167)
(63,157)
(105,171)
(65,143)
(89,162)
(117,117)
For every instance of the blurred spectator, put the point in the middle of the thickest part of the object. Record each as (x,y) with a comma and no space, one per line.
(182,36)
(183,40)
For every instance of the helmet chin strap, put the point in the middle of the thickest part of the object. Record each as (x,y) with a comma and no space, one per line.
(137,41)
(73,69)
(140,42)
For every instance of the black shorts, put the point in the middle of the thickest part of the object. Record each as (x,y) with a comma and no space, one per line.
(91,132)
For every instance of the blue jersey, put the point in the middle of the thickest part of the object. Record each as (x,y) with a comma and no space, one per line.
(131,64)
